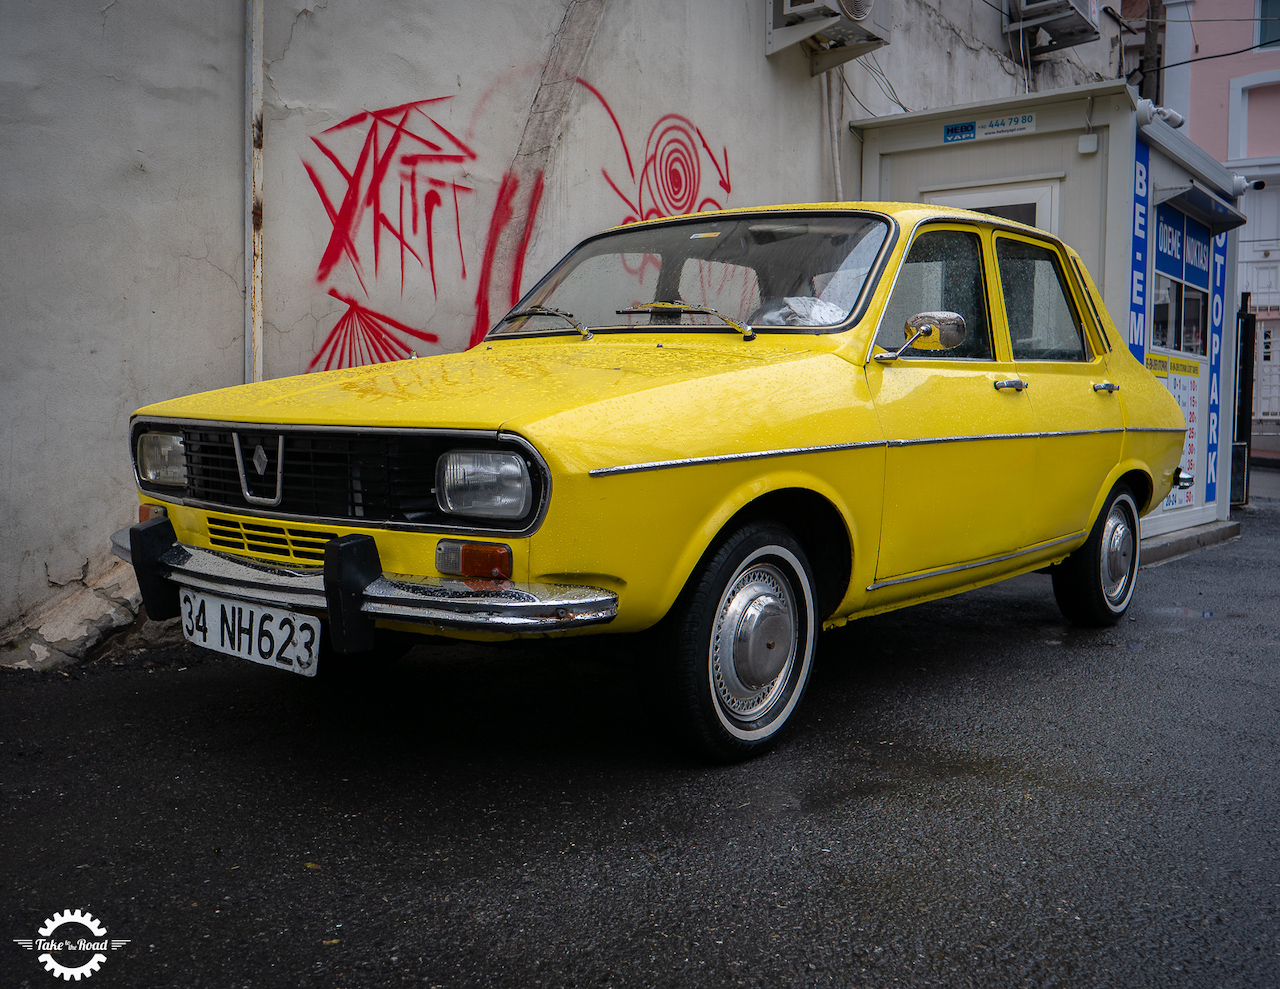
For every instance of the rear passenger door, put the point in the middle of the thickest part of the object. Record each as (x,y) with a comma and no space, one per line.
(1059,353)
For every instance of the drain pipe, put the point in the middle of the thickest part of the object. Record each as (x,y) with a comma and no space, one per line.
(834,117)
(253,191)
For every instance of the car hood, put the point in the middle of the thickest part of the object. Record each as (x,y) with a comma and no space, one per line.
(488,387)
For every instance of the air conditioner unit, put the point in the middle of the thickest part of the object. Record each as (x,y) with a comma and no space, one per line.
(840,30)
(1067,23)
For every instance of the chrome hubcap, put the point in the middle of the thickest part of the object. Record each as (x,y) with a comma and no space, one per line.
(754,644)
(1117,554)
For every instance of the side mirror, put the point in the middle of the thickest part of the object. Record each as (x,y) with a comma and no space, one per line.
(935,331)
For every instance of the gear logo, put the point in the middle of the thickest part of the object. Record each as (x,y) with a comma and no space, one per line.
(71,945)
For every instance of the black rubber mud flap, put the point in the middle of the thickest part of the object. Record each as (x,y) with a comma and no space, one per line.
(351,564)
(148,541)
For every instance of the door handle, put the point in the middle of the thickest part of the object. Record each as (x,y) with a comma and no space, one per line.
(1107,386)
(1014,383)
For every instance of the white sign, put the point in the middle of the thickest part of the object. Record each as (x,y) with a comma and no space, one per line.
(1018,123)
(977,130)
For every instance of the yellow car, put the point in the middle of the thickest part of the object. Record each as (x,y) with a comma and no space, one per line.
(740,427)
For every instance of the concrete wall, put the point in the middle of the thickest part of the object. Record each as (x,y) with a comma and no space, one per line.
(121,246)
(423,162)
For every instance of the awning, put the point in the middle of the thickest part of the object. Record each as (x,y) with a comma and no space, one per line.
(1199,201)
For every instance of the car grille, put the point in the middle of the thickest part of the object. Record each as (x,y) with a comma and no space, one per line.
(334,475)
(263,540)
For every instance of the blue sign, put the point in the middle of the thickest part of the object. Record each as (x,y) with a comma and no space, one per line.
(1196,253)
(1170,228)
(1138,252)
(1217,304)
(960,132)
(1182,247)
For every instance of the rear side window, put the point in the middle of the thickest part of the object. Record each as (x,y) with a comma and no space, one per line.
(1043,322)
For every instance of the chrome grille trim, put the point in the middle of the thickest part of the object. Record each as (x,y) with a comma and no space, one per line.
(348,476)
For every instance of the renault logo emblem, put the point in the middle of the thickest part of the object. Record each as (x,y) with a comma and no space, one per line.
(260,460)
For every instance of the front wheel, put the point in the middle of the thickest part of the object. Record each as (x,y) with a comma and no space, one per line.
(745,633)
(1094,585)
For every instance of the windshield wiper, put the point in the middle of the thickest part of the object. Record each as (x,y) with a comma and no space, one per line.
(568,317)
(683,307)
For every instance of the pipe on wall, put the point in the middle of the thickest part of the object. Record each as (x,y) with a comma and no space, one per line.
(253,192)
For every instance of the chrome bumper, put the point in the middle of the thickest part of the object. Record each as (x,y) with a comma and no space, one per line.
(486,605)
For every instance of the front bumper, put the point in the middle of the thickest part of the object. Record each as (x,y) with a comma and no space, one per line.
(355,589)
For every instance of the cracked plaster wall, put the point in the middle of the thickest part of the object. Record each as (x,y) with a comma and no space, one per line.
(120,242)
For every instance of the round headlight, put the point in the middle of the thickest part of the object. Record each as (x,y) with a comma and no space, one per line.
(483,484)
(162,460)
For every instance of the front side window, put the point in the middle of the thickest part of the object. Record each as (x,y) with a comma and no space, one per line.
(1043,323)
(942,272)
(777,272)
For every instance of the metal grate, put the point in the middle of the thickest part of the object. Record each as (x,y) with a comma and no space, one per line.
(277,542)
(335,474)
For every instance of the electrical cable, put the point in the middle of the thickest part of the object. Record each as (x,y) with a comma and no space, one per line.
(855,95)
(891,92)
(1205,58)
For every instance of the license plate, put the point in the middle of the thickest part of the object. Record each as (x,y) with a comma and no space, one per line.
(261,633)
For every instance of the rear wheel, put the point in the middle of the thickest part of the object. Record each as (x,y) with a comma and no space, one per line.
(745,632)
(1094,585)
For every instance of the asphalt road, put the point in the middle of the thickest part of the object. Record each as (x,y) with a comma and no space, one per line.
(975,795)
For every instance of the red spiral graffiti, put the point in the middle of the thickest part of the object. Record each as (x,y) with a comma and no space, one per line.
(672,173)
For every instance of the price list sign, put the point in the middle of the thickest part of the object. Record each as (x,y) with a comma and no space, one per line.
(1183,383)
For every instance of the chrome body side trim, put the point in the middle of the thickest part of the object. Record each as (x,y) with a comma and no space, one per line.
(928,440)
(1081,432)
(1156,429)
(720,458)
(833,447)
(931,440)
(974,564)
(480,605)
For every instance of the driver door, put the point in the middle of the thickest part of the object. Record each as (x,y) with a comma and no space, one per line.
(961,436)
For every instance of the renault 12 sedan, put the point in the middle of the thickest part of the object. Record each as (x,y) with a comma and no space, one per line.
(736,428)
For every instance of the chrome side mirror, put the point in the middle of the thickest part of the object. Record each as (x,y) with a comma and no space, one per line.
(936,331)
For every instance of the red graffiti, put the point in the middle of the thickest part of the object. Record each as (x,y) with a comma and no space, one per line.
(390,178)
(403,149)
(671,176)
(363,336)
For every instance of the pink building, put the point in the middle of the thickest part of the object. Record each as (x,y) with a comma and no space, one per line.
(1221,70)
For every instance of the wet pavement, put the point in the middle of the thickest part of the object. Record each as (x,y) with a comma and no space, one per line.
(976,794)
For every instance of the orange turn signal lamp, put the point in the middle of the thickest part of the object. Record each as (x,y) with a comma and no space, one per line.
(491,561)
(148,512)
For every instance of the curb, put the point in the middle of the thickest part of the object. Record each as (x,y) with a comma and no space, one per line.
(1157,549)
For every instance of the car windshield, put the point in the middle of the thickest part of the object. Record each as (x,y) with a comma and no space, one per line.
(779,272)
